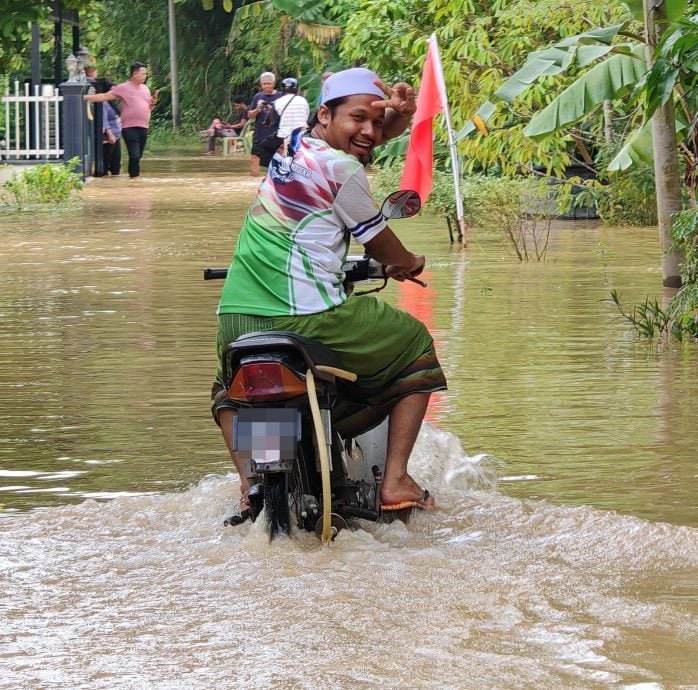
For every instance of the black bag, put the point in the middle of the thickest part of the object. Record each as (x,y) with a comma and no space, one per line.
(271,143)
(271,117)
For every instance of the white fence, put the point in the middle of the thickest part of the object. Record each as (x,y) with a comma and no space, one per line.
(32,124)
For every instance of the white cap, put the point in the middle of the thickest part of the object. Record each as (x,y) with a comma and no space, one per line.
(351,82)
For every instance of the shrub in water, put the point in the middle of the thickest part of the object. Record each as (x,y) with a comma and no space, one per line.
(48,184)
(680,317)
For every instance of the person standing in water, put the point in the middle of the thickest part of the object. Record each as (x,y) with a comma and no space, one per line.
(136,105)
(265,124)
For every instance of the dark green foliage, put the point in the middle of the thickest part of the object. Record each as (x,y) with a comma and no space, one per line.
(676,63)
(16,18)
(138,30)
(518,210)
(684,232)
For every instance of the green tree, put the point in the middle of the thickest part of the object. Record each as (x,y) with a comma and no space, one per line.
(308,35)
(137,30)
(482,46)
(15,30)
(617,69)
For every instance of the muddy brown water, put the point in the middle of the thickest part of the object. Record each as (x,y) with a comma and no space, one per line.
(565,554)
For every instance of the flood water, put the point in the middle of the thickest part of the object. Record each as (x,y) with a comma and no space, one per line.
(563,456)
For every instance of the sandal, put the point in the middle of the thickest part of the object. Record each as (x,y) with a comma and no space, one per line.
(425,502)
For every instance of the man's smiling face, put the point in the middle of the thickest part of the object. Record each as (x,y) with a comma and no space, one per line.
(355,127)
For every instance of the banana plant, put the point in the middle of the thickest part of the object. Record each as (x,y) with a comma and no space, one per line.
(579,51)
(620,71)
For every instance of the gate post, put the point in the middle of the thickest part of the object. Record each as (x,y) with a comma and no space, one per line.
(76,134)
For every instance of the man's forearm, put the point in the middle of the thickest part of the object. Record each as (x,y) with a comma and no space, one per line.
(387,248)
(98,97)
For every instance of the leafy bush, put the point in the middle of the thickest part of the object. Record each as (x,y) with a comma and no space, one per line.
(621,198)
(518,209)
(521,209)
(684,232)
(46,184)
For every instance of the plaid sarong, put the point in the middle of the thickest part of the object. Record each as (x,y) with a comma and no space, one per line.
(390,351)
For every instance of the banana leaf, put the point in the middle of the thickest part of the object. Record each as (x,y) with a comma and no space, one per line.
(638,146)
(588,54)
(529,73)
(550,61)
(674,9)
(637,149)
(604,34)
(608,80)
(547,62)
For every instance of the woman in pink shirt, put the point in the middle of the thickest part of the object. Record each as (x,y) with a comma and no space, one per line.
(136,104)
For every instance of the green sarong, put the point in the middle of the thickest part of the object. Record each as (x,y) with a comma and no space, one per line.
(390,351)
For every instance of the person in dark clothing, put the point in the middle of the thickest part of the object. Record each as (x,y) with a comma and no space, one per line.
(111,130)
(266,123)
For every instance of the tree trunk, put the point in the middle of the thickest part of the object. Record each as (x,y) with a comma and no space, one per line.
(666,157)
(174,79)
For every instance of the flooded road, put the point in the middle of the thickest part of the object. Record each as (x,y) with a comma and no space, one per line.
(563,455)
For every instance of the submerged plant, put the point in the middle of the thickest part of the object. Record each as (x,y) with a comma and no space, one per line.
(47,184)
(519,209)
(680,318)
(649,319)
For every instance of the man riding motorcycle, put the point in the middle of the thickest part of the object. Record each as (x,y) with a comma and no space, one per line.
(286,274)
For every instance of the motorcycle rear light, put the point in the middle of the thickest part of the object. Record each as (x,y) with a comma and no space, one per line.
(265,381)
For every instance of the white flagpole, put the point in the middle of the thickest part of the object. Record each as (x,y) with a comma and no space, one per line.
(455,168)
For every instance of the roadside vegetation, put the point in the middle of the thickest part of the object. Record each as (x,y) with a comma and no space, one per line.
(44,187)
(679,318)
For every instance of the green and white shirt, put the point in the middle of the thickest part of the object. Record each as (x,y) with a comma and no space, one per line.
(289,255)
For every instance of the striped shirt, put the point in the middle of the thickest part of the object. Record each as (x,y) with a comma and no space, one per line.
(289,254)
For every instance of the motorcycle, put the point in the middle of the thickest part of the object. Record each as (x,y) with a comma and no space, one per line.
(284,387)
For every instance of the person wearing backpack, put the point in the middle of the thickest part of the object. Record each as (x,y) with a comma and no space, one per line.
(291,112)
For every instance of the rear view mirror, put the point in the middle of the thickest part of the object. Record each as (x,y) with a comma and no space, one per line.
(402,204)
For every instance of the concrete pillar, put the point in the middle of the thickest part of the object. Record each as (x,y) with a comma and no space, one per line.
(76,127)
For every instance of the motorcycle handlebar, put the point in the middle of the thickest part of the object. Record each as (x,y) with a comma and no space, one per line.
(215,273)
(356,269)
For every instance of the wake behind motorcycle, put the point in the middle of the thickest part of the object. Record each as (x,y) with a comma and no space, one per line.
(285,387)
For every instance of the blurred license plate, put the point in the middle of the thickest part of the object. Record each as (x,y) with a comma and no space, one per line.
(267,434)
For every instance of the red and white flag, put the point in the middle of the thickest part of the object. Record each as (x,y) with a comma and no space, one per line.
(431,100)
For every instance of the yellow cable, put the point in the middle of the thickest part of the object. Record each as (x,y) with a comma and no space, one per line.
(324,458)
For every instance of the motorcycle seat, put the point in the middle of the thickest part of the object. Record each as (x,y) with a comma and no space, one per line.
(324,362)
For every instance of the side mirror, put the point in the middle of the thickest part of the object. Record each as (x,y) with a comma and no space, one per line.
(403,204)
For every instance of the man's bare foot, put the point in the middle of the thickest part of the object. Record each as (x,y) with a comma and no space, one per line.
(244,492)
(243,513)
(405,490)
